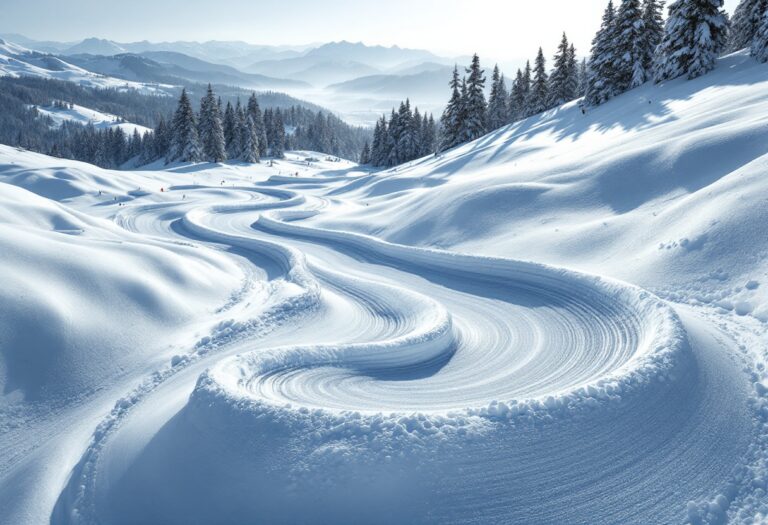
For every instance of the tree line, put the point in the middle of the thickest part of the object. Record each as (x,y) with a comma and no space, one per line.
(634,45)
(407,135)
(22,125)
(246,133)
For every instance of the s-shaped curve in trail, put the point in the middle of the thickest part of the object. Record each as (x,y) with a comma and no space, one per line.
(423,386)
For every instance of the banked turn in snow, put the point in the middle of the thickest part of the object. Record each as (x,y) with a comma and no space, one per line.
(432,386)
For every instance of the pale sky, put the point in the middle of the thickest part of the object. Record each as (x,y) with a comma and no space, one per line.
(505,30)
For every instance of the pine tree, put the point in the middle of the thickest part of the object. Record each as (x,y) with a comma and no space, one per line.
(519,96)
(365,155)
(498,102)
(475,107)
(746,23)
(429,135)
(450,121)
(573,74)
(561,83)
(379,142)
(185,143)
(250,153)
(694,35)
(582,78)
(653,32)
(760,42)
(161,141)
(229,127)
(404,133)
(258,119)
(539,95)
(240,133)
(600,70)
(211,130)
(277,146)
(629,29)
(417,134)
(393,132)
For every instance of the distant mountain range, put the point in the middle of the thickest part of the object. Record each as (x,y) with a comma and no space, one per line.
(367,78)
(425,86)
(319,65)
(18,61)
(168,66)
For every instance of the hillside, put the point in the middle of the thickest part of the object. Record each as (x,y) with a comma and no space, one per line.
(17,61)
(564,321)
(650,187)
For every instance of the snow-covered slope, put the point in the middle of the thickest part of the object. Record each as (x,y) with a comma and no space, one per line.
(472,338)
(17,61)
(664,186)
(83,115)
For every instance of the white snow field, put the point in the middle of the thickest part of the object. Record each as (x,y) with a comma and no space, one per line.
(84,116)
(565,321)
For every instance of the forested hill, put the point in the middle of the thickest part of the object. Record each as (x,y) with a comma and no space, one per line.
(23,126)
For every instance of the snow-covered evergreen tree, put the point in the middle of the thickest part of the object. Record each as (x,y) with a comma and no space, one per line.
(498,109)
(211,130)
(653,32)
(393,132)
(229,126)
(514,103)
(746,23)
(277,147)
(759,48)
(250,153)
(582,78)
(475,106)
(405,133)
(518,98)
(694,35)
(629,28)
(450,122)
(539,95)
(600,70)
(258,119)
(562,81)
(428,135)
(365,155)
(573,73)
(240,133)
(378,148)
(185,145)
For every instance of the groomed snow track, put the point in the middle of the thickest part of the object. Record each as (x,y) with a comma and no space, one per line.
(415,385)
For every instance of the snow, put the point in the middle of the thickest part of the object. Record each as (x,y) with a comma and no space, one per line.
(83,115)
(563,321)
(17,61)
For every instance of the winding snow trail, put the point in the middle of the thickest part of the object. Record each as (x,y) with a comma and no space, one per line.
(365,381)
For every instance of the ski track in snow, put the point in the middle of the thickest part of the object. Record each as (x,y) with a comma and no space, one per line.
(385,383)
